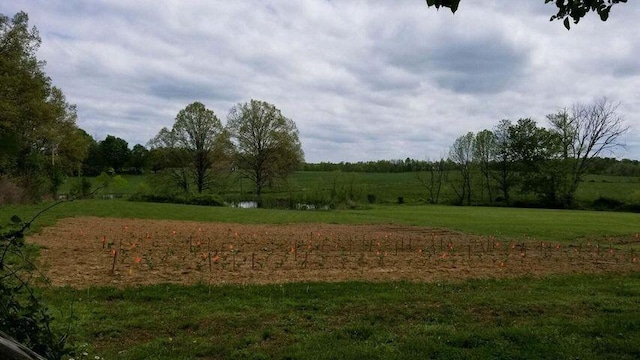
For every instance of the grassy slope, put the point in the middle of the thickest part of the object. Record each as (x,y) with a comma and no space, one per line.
(506,222)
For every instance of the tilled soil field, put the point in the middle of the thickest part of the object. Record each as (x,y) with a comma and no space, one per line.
(83,252)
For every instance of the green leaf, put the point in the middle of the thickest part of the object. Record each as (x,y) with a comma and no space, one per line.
(16,219)
(567,24)
(451,4)
(454,5)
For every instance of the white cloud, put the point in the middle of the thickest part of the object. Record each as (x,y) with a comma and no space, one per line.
(363,80)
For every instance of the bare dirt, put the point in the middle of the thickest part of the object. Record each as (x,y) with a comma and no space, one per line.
(83,252)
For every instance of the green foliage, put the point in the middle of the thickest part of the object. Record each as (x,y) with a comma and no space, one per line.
(549,164)
(40,141)
(114,153)
(139,158)
(199,199)
(267,147)
(351,189)
(22,314)
(461,154)
(117,184)
(195,151)
(567,10)
(10,193)
(81,186)
(576,10)
(603,203)
(379,166)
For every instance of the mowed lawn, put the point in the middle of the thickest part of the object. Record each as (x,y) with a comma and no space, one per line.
(574,316)
(512,223)
(569,317)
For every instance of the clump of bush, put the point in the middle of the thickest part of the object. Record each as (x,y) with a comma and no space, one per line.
(605,203)
(200,199)
(23,317)
(10,193)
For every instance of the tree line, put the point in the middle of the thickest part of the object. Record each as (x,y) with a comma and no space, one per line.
(41,145)
(549,163)
(599,166)
(39,139)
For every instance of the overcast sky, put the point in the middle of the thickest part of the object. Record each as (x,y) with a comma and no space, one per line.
(363,80)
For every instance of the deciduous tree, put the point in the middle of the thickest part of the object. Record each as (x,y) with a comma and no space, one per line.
(503,157)
(139,158)
(587,133)
(484,150)
(115,152)
(197,144)
(39,139)
(436,174)
(535,152)
(267,143)
(461,154)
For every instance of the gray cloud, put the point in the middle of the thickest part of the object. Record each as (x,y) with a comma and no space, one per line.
(481,66)
(362,80)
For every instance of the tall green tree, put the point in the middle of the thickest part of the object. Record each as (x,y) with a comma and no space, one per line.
(484,150)
(93,163)
(139,158)
(267,143)
(461,153)
(39,140)
(505,175)
(197,145)
(536,152)
(168,158)
(114,152)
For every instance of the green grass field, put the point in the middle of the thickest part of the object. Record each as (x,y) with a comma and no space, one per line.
(575,316)
(385,187)
(544,224)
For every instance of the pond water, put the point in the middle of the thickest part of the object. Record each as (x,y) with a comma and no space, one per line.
(254,205)
(245,205)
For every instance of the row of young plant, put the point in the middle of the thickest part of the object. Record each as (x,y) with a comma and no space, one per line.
(136,252)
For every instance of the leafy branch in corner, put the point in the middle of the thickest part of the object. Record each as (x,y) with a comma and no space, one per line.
(567,9)
(25,321)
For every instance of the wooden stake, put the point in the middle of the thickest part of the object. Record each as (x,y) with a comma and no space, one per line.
(115,257)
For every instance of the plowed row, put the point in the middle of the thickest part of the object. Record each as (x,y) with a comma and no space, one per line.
(82,252)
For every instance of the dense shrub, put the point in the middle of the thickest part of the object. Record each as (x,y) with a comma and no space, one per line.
(604,203)
(371,198)
(22,315)
(81,187)
(10,193)
(201,199)
(206,200)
